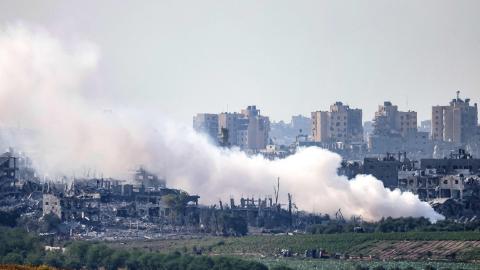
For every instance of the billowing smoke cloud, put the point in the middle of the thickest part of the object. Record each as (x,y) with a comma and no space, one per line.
(42,90)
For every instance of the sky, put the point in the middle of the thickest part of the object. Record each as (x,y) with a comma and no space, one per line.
(286,57)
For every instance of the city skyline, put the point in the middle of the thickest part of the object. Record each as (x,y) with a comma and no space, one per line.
(213,134)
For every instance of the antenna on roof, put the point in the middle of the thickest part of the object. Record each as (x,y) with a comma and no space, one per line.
(458,94)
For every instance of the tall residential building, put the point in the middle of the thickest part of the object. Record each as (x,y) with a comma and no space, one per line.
(340,124)
(390,121)
(247,130)
(207,123)
(237,126)
(457,122)
(258,128)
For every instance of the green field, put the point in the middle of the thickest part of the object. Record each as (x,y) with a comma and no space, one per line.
(343,243)
(420,249)
(351,243)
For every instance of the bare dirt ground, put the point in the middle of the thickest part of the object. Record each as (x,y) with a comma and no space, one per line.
(416,250)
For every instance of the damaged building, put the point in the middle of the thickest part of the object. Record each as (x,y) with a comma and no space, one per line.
(449,184)
(108,204)
(73,208)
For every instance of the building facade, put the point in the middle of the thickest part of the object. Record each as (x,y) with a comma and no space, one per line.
(258,128)
(340,124)
(456,123)
(207,123)
(237,126)
(390,121)
(247,130)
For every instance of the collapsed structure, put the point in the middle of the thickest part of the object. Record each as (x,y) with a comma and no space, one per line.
(109,203)
(451,185)
(107,208)
(110,208)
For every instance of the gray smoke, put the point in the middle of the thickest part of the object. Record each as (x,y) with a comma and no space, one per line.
(42,89)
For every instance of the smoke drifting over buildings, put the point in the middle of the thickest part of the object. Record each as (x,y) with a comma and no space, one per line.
(42,90)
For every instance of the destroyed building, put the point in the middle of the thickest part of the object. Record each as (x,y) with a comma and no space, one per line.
(8,169)
(234,219)
(148,179)
(91,206)
(71,208)
(83,200)
(456,161)
(453,181)
(385,168)
(423,183)
(20,190)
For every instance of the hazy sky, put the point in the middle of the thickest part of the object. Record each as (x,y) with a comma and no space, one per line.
(287,57)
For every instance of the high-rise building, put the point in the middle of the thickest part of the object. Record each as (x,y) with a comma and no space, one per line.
(236,125)
(340,124)
(247,130)
(207,123)
(457,122)
(390,121)
(258,128)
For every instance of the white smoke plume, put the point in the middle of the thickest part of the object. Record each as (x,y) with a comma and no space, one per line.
(42,89)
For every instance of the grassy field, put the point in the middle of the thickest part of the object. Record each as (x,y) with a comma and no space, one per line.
(271,244)
(443,250)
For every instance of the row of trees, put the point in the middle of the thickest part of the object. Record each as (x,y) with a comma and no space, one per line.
(389,224)
(20,248)
(94,256)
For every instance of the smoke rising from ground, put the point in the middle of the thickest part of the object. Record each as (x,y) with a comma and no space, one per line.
(42,89)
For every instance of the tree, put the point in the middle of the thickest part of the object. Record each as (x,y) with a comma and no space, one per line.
(13,258)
